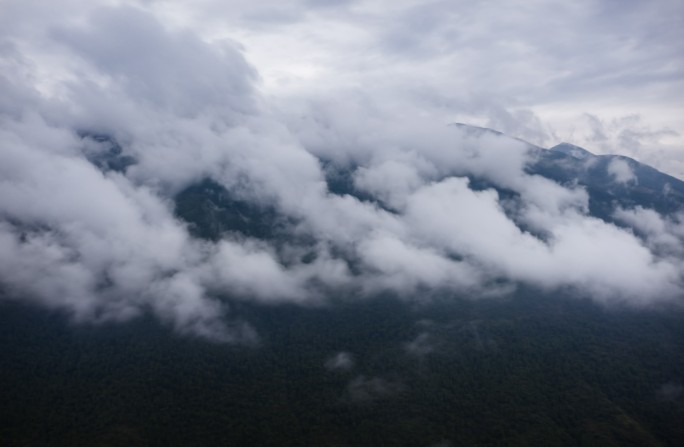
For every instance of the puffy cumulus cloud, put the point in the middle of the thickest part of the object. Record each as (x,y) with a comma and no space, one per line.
(390,181)
(95,244)
(621,171)
(578,251)
(253,271)
(185,105)
(106,246)
(394,264)
(611,263)
(664,234)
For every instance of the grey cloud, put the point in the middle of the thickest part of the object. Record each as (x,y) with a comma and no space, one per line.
(628,131)
(515,66)
(432,215)
(621,171)
(632,136)
(106,249)
(171,69)
(329,3)
(107,246)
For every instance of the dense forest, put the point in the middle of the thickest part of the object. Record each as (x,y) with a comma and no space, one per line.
(530,369)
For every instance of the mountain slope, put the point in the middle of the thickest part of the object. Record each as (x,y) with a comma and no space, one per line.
(611,180)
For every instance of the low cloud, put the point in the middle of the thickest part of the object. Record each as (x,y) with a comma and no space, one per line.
(363,390)
(105,245)
(420,346)
(621,171)
(342,361)
(631,135)
(663,235)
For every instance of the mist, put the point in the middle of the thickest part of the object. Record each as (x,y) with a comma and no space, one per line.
(106,244)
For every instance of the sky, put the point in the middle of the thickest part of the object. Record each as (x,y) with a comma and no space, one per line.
(606,75)
(254,96)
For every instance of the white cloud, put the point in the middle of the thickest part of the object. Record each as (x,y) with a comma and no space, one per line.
(663,234)
(621,171)
(175,90)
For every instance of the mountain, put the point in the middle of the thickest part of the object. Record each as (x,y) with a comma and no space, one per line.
(572,150)
(388,351)
(611,182)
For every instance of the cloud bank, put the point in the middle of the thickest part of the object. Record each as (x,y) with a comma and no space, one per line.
(105,245)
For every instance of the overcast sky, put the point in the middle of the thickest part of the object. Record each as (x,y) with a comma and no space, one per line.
(605,74)
(253,95)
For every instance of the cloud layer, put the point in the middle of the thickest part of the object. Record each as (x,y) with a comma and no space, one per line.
(105,244)
(604,74)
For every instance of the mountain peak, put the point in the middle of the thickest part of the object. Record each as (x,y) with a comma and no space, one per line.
(572,150)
